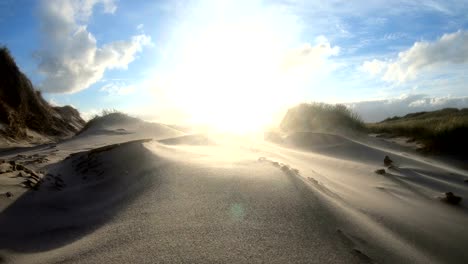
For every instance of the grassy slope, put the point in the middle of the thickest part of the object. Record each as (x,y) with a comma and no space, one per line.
(321,117)
(22,107)
(444,130)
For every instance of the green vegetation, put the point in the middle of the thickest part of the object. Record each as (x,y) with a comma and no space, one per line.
(321,117)
(444,130)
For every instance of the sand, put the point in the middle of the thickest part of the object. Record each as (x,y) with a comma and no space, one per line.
(136,192)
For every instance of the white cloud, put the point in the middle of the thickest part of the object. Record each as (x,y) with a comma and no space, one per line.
(378,110)
(440,102)
(70,58)
(395,36)
(373,67)
(450,49)
(364,7)
(89,114)
(117,89)
(312,57)
(53,102)
(84,8)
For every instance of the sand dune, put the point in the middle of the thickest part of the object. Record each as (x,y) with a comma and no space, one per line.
(403,205)
(188,140)
(144,193)
(74,196)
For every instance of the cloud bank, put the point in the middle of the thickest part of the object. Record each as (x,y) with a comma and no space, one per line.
(70,59)
(378,110)
(450,49)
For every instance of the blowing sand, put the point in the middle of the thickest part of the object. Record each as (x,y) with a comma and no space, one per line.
(136,192)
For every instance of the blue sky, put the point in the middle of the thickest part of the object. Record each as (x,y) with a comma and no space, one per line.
(244,61)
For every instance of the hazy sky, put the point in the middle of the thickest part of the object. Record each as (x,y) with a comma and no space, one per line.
(242,60)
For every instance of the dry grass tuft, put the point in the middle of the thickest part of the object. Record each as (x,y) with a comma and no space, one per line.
(321,117)
(440,131)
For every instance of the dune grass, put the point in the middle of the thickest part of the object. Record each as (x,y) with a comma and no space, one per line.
(106,114)
(444,130)
(22,107)
(321,117)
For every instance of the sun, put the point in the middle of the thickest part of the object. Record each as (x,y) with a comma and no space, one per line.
(230,78)
(229,73)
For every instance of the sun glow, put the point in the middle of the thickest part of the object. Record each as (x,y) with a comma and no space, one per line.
(230,67)
(235,78)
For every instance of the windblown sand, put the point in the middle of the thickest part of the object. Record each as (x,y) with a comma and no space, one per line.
(136,192)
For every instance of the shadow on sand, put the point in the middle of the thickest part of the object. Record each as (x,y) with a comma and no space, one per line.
(51,217)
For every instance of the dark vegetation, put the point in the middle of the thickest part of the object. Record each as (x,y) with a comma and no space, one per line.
(441,131)
(321,117)
(22,107)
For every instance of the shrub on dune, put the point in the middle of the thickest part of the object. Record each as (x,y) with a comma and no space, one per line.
(321,117)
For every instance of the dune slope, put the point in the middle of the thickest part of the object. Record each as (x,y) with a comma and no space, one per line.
(25,116)
(180,198)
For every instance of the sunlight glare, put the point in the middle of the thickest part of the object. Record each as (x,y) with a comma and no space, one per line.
(229,73)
